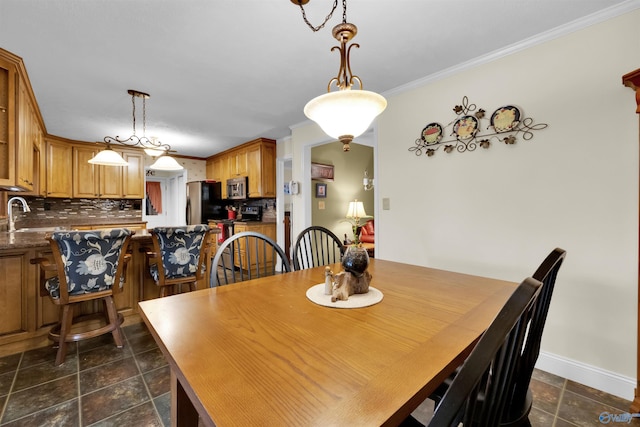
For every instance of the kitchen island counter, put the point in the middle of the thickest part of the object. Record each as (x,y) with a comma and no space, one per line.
(27,313)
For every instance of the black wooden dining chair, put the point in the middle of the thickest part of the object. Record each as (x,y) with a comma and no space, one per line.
(476,396)
(316,246)
(245,256)
(521,399)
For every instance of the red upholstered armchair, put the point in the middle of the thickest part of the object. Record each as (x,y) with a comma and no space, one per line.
(367,232)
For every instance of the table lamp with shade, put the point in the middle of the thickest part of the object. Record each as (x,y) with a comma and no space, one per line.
(355,213)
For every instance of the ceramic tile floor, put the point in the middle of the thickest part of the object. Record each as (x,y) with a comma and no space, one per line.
(101,385)
(98,385)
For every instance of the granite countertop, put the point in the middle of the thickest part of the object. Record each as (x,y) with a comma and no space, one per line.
(26,240)
(37,239)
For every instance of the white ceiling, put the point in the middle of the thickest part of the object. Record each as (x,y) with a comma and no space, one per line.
(223,72)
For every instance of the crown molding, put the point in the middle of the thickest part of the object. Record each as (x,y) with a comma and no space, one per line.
(578,24)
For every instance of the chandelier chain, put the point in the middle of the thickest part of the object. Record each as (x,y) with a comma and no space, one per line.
(133,101)
(144,116)
(344,11)
(326,19)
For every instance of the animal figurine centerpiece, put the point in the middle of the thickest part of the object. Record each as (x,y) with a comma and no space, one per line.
(355,278)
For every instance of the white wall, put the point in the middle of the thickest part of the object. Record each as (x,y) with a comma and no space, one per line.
(499,212)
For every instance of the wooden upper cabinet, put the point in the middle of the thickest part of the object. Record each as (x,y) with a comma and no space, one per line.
(21,127)
(27,136)
(40,166)
(94,181)
(107,182)
(255,159)
(85,174)
(133,176)
(8,115)
(110,181)
(59,169)
(215,170)
(237,163)
(261,160)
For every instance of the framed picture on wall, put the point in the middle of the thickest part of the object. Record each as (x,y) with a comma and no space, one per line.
(321,190)
(321,172)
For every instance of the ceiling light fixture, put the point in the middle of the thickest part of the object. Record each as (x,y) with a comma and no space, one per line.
(346,113)
(152,146)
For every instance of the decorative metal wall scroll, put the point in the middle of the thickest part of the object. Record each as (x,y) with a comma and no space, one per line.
(467,129)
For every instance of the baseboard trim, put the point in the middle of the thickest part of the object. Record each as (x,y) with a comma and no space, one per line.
(592,376)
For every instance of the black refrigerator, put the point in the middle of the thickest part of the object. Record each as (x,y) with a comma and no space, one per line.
(204,202)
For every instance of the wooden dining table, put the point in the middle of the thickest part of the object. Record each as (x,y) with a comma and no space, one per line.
(261,353)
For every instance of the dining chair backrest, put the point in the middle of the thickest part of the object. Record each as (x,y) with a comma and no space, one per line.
(90,261)
(521,398)
(476,395)
(245,256)
(180,249)
(316,246)
(179,256)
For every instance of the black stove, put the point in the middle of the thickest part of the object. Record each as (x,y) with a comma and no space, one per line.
(251,213)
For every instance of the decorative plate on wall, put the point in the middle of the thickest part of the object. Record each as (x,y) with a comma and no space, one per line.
(432,133)
(505,118)
(465,127)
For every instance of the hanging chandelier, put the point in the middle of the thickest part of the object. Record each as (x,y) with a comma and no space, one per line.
(348,112)
(152,146)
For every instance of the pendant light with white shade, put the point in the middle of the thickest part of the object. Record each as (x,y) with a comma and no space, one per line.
(347,112)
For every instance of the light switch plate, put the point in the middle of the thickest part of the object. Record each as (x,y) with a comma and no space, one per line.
(321,205)
(386,204)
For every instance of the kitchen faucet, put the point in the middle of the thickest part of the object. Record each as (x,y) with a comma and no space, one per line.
(25,208)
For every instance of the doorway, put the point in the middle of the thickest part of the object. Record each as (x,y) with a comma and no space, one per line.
(172,198)
(283,204)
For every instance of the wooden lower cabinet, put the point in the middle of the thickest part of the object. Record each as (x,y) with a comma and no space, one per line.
(248,256)
(26,311)
(13,298)
(47,313)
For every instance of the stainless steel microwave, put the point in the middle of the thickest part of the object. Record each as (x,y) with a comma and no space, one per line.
(237,188)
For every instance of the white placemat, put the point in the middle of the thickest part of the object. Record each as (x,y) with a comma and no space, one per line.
(316,294)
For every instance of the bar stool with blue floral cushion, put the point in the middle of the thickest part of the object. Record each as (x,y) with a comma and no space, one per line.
(86,265)
(182,252)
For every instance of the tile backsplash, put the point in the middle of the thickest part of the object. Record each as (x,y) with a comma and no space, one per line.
(69,212)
